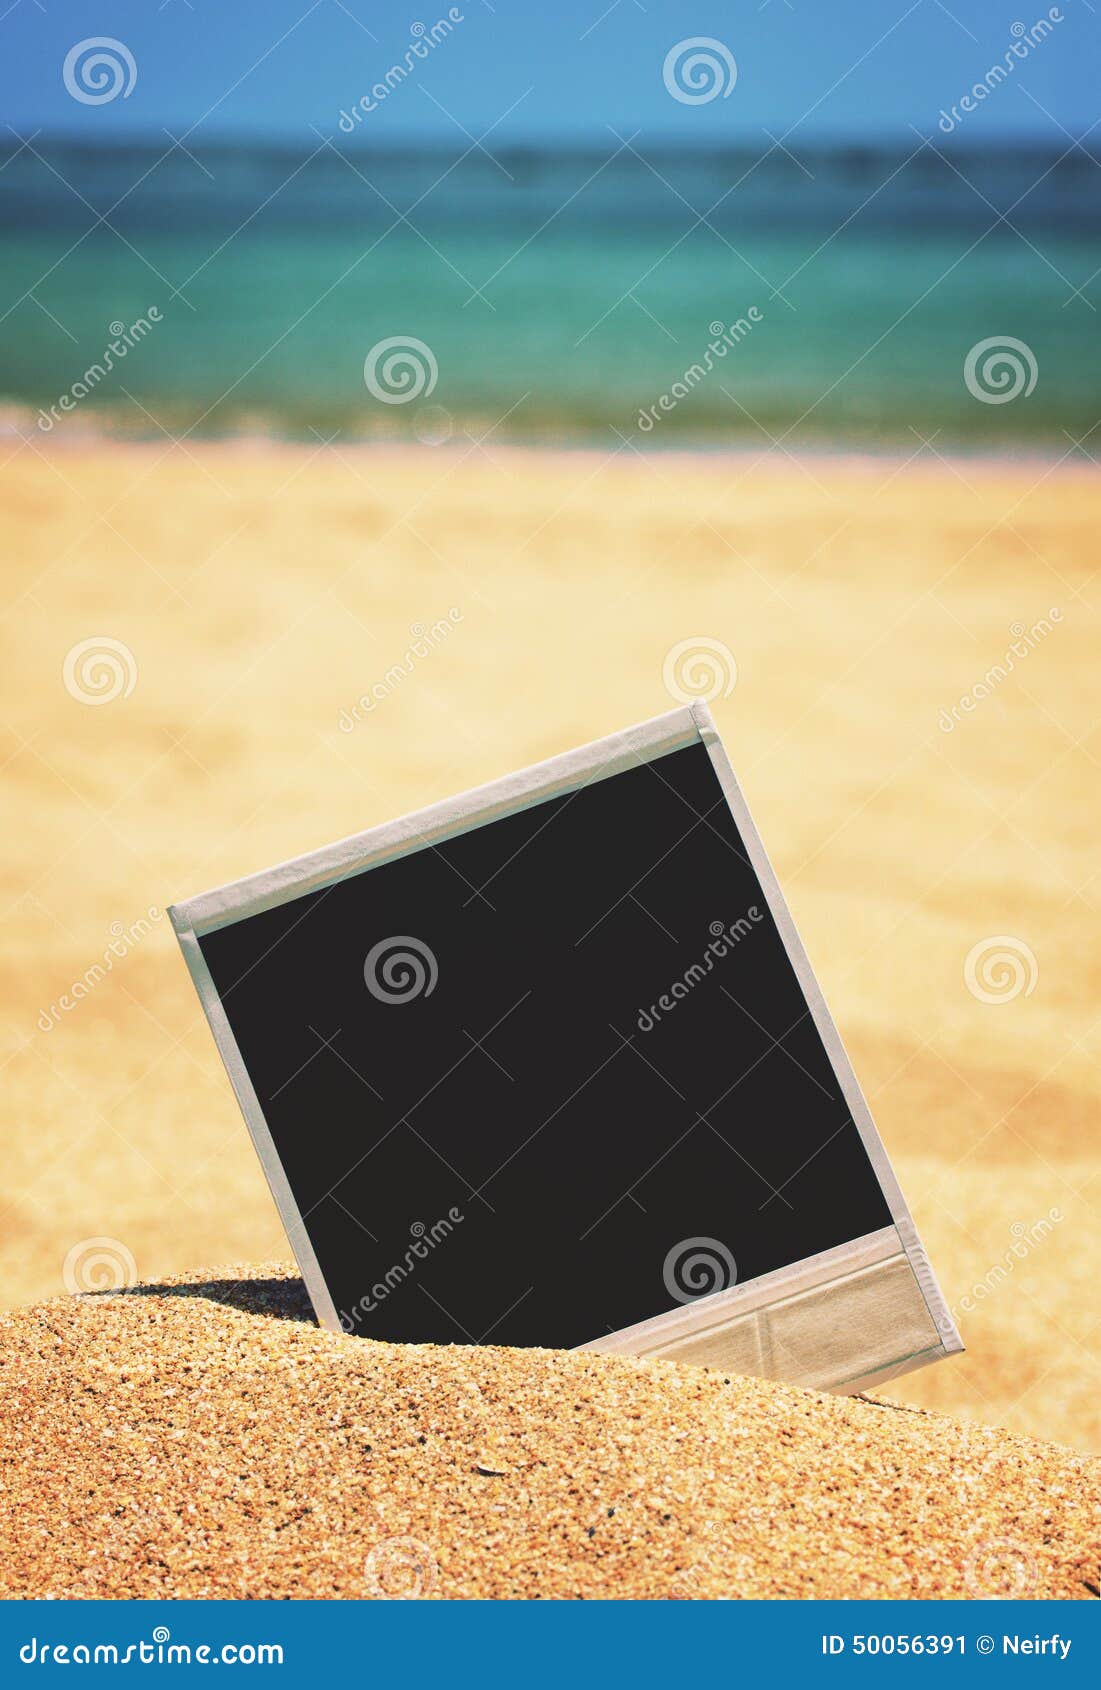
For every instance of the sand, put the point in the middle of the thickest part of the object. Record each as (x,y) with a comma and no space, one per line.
(263,590)
(204,1438)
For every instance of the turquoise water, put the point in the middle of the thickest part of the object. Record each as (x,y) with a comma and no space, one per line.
(571,291)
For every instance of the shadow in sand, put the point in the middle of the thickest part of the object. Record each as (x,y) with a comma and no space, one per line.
(278,1299)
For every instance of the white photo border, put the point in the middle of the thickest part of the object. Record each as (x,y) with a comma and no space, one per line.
(599,760)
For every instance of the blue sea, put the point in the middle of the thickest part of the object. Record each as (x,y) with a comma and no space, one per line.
(564,296)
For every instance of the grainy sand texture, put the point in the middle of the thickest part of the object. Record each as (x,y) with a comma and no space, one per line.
(203,1438)
(262,591)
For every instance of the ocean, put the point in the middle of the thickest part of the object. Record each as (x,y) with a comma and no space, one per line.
(844,297)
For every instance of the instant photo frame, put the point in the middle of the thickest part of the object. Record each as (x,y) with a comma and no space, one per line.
(546,1064)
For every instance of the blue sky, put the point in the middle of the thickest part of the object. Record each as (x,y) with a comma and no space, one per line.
(814,69)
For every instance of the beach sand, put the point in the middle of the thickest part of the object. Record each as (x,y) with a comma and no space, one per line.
(204,1439)
(261,590)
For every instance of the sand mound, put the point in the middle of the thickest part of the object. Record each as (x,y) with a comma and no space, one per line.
(203,1438)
